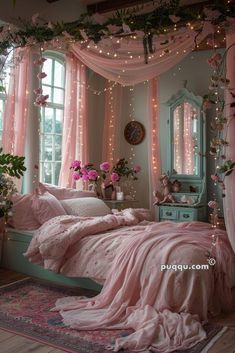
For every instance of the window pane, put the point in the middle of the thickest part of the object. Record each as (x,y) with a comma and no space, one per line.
(48,148)
(47,90)
(52,121)
(47,68)
(47,173)
(57,172)
(59,75)
(58,96)
(58,120)
(58,143)
(48,120)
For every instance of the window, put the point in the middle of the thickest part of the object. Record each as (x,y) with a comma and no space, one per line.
(52,118)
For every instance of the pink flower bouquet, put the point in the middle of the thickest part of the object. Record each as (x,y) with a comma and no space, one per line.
(106,174)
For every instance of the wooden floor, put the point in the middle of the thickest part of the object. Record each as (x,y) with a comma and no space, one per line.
(12,343)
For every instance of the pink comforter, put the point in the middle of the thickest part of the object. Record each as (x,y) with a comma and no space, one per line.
(164,308)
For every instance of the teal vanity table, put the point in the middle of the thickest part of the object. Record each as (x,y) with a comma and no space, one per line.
(186,161)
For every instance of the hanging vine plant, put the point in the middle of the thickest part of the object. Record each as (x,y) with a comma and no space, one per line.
(166,16)
(221,121)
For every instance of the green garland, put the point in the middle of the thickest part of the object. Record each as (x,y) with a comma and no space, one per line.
(153,23)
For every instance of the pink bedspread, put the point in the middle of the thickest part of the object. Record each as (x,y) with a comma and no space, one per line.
(164,308)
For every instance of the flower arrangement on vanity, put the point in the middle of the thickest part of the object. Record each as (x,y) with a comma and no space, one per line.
(107,178)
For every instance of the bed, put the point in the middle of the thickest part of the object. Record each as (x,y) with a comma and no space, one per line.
(124,252)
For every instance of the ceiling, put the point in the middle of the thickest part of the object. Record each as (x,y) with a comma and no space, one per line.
(65,10)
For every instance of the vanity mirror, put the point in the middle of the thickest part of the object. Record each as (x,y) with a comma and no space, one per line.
(186,161)
(186,134)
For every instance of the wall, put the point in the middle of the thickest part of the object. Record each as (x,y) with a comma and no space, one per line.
(195,70)
(63,10)
(95,116)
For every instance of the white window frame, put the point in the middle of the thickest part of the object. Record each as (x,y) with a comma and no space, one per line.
(59,57)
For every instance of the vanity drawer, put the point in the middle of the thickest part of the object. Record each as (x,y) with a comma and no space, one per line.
(168,213)
(186,216)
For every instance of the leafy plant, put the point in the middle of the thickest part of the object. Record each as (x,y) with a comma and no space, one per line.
(11,165)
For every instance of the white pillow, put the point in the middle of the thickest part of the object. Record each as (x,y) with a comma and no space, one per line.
(64,193)
(85,207)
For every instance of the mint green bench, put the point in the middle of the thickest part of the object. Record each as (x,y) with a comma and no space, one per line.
(15,243)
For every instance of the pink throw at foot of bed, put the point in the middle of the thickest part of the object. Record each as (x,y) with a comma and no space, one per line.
(165,309)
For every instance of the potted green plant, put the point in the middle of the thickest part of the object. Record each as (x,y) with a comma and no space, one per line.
(10,166)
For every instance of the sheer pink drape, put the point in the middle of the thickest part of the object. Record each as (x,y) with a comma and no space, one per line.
(153,140)
(16,109)
(75,130)
(229,200)
(15,113)
(122,60)
(111,131)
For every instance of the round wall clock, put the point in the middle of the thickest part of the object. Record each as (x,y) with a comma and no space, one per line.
(134,132)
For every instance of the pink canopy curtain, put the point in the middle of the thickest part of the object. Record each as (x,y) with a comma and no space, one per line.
(15,112)
(122,59)
(75,129)
(16,108)
(111,131)
(229,200)
(153,140)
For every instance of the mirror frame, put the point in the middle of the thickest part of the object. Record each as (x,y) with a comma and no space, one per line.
(186,96)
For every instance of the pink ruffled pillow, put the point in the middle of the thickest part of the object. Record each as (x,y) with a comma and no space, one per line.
(23,217)
(46,206)
(65,193)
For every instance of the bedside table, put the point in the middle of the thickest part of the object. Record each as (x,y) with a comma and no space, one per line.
(120,205)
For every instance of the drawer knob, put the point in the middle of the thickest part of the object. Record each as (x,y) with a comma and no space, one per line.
(168,213)
(185,215)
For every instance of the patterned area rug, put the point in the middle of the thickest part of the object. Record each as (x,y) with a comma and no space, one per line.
(25,309)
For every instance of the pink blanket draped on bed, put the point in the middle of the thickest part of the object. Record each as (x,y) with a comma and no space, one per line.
(164,308)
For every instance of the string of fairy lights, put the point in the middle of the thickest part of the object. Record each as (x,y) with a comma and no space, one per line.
(132,152)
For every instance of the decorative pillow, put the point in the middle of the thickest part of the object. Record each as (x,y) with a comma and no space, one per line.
(23,217)
(65,193)
(46,206)
(85,207)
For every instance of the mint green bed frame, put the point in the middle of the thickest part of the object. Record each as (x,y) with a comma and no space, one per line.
(15,243)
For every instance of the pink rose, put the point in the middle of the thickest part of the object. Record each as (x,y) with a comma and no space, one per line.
(92,174)
(75,164)
(105,167)
(39,61)
(41,75)
(207,105)
(84,171)
(38,91)
(214,177)
(85,177)
(137,168)
(114,177)
(76,176)
(214,60)
(213,204)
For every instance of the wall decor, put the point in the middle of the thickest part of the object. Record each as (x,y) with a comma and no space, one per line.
(134,132)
